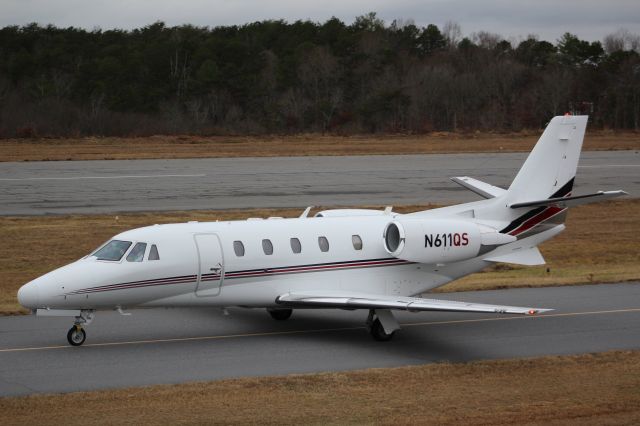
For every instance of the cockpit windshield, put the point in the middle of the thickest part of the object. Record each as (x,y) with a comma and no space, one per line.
(113,250)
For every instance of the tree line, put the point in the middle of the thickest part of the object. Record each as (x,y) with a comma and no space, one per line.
(278,77)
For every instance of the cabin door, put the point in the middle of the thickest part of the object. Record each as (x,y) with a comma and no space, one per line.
(210,264)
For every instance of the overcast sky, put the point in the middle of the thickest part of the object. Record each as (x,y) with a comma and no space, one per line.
(589,19)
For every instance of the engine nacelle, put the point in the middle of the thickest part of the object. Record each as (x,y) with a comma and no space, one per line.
(434,241)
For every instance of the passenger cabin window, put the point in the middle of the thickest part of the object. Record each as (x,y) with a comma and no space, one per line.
(113,250)
(137,253)
(267,247)
(153,253)
(296,247)
(238,248)
(357,242)
(323,243)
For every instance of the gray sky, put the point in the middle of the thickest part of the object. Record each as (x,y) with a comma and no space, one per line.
(589,19)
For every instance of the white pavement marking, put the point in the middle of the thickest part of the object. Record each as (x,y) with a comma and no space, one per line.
(100,177)
(282,333)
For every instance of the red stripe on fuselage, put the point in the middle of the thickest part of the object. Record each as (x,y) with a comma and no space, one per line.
(245,274)
(547,213)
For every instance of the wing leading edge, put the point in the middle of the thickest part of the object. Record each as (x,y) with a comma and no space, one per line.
(412,304)
(481,188)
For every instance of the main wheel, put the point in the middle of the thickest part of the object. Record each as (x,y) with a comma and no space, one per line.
(76,336)
(378,333)
(280,314)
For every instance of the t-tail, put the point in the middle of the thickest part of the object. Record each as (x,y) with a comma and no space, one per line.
(538,197)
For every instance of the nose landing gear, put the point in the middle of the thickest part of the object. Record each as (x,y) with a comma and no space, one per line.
(76,335)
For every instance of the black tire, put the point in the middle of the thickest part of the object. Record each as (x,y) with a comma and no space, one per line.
(280,314)
(378,333)
(76,336)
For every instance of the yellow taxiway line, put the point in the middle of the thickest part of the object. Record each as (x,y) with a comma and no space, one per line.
(323,330)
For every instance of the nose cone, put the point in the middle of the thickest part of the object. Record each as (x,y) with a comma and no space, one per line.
(28,295)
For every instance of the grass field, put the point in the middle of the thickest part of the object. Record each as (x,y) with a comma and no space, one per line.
(595,389)
(600,244)
(303,145)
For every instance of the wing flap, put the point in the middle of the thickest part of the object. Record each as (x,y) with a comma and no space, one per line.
(413,304)
(481,188)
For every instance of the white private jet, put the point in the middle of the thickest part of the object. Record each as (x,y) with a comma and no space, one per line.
(346,259)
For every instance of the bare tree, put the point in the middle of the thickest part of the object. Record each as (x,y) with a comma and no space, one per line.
(621,40)
(486,39)
(198,109)
(179,66)
(318,74)
(452,34)
(61,83)
(292,105)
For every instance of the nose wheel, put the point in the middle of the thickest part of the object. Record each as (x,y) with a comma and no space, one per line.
(76,335)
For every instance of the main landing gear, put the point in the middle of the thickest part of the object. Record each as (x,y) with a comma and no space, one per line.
(280,314)
(76,335)
(382,324)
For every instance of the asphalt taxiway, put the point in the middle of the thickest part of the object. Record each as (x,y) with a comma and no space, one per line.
(181,345)
(79,187)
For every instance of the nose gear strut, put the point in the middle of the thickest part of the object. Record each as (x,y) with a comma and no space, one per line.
(76,335)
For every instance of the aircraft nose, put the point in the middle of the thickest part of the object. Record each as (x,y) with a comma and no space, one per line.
(28,295)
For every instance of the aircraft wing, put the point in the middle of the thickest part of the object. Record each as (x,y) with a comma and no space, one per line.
(369,301)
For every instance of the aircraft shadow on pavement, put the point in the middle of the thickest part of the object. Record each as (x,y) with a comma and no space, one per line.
(348,331)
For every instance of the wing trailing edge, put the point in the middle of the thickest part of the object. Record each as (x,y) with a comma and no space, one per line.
(412,304)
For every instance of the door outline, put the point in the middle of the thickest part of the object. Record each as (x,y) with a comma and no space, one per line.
(213,288)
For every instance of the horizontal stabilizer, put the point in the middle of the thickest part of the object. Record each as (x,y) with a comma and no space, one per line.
(564,202)
(481,188)
(529,257)
(374,301)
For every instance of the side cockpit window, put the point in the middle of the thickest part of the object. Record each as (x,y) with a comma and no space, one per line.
(137,253)
(113,250)
(153,253)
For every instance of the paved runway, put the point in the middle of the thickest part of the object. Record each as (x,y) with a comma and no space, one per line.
(36,188)
(180,345)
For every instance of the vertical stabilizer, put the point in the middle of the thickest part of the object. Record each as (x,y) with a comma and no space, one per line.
(551,167)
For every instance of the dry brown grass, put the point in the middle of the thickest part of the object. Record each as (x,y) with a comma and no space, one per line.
(587,389)
(601,244)
(109,148)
